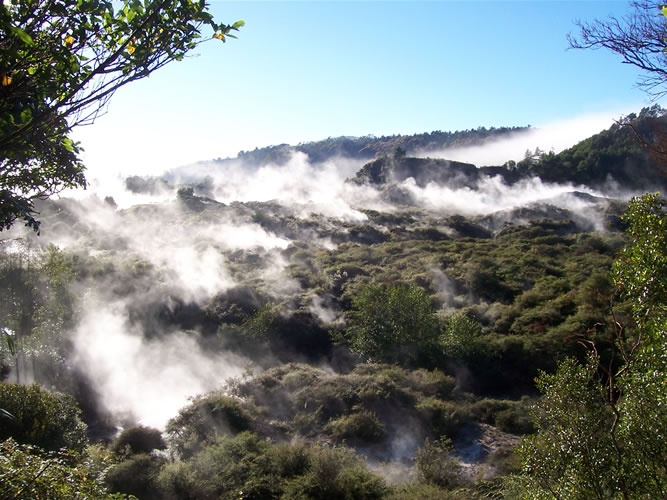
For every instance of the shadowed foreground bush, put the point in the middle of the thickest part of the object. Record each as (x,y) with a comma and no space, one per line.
(44,419)
(363,426)
(135,476)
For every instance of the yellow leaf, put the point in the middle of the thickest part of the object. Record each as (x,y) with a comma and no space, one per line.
(6,80)
(69,40)
(131,48)
(664,10)
(219,36)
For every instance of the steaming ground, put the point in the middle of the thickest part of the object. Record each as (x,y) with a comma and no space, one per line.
(555,136)
(238,227)
(143,380)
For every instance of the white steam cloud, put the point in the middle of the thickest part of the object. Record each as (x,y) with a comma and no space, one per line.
(298,184)
(140,379)
(491,195)
(555,136)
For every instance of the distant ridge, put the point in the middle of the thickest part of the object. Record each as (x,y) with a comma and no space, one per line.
(613,162)
(369,147)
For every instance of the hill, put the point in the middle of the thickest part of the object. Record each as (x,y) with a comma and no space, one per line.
(613,161)
(368,147)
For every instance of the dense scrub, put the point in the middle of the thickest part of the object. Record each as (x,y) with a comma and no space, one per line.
(389,354)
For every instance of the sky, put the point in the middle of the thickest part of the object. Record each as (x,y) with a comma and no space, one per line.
(307,70)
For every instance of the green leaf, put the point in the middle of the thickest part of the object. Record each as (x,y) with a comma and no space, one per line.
(26,116)
(25,38)
(240,23)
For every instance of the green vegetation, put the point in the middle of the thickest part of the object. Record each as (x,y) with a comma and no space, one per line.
(394,356)
(245,466)
(37,417)
(392,323)
(597,423)
(614,153)
(370,147)
(617,155)
(400,356)
(28,472)
(467,323)
(138,439)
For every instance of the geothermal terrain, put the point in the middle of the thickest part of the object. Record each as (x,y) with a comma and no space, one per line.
(377,303)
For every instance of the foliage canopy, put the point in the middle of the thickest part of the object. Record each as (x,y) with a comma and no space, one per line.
(391,323)
(601,425)
(37,417)
(60,63)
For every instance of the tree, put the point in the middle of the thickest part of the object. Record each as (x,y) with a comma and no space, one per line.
(60,63)
(600,425)
(639,38)
(460,337)
(393,323)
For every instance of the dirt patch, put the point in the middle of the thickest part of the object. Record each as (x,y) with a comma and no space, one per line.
(475,443)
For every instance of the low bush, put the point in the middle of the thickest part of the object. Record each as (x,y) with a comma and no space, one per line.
(28,472)
(135,476)
(246,466)
(205,418)
(421,491)
(228,468)
(360,427)
(435,464)
(433,382)
(444,418)
(139,439)
(505,460)
(48,420)
(335,473)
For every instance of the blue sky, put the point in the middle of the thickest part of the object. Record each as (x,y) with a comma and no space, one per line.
(307,70)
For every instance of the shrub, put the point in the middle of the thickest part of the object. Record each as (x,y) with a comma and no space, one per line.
(435,464)
(460,338)
(504,460)
(433,382)
(28,472)
(224,469)
(245,466)
(443,417)
(48,420)
(135,476)
(515,420)
(291,459)
(335,473)
(362,426)
(420,491)
(393,323)
(208,416)
(508,415)
(139,439)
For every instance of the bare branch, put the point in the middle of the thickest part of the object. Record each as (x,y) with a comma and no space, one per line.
(640,38)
